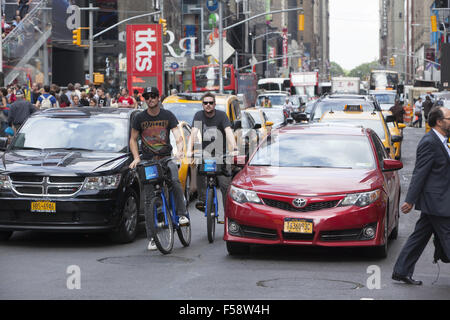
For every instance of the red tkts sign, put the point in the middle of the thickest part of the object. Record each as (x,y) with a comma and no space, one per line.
(144,57)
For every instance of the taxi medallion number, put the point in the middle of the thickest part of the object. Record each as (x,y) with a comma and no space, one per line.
(293,225)
(43,207)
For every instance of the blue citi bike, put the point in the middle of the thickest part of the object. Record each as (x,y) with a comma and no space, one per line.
(211,169)
(160,205)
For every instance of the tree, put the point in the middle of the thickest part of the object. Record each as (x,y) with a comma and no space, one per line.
(363,71)
(336,70)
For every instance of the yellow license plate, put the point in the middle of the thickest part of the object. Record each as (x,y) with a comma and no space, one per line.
(292,225)
(43,207)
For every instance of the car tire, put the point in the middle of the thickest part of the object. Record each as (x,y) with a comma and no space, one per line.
(394,232)
(381,252)
(5,235)
(236,248)
(127,230)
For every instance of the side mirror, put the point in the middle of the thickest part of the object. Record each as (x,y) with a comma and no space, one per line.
(3,143)
(237,124)
(269,123)
(390,118)
(397,139)
(401,126)
(392,165)
(257,126)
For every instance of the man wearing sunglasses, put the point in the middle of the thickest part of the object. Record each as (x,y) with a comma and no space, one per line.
(216,135)
(153,126)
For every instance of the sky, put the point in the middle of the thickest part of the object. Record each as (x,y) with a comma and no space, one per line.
(354,32)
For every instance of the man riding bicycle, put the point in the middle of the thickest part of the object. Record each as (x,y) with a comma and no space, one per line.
(153,126)
(216,134)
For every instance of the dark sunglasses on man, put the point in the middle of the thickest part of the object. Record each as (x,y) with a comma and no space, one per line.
(150,96)
(208,102)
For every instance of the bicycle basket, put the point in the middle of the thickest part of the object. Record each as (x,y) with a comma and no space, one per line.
(150,173)
(210,166)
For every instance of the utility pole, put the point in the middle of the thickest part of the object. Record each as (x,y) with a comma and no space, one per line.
(91,42)
(220,46)
(2,78)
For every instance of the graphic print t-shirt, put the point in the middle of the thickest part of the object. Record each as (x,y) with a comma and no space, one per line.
(212,128)
(155,132)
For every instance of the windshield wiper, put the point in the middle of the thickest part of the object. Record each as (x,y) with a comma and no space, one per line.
(26,148)
(69,149)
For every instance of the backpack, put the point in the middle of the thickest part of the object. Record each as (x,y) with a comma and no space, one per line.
(46,102)
(439,253)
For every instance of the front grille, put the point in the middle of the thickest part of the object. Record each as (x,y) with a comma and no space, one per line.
(55,186)
(287,206)
(262,233)
(298,236)
(341,235)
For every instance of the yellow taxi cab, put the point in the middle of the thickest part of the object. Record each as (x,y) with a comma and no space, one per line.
(187,171)
(254,127)
(185,105)
(373,120)
(395,129)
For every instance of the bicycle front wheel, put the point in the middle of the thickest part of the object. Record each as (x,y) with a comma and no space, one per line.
(211,216)
(161,225)
(184,233)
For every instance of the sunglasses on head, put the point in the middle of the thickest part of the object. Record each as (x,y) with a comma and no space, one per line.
(151,96)
(208,102)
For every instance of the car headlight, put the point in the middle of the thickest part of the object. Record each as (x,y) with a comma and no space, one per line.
(102,182)
(5,183)
(243,196)
(361,199)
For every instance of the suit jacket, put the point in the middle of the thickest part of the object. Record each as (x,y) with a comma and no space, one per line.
(430,184)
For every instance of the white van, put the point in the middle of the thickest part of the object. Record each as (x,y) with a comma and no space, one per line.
(274,84)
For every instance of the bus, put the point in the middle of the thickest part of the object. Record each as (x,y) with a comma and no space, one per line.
(206,78)
(384,80)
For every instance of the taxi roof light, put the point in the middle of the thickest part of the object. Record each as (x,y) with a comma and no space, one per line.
(353,108)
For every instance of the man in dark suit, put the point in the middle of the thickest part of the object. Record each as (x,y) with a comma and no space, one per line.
(429,191)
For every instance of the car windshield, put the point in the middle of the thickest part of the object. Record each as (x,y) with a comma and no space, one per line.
(375,125)
(90,134)
(256,116)
(315,150)
(274,100)
(339,105)
(275,115)
(184,111)
(385,98)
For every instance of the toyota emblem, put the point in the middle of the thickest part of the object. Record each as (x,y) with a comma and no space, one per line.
(299,203)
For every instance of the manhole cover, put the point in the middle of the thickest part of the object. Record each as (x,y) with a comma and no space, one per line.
(145,260)
(302,283)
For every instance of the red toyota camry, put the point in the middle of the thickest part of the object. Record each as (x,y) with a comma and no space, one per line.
(321,185)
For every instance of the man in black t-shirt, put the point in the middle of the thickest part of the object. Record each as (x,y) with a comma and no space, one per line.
(103,101)
(216,133)
(153,126)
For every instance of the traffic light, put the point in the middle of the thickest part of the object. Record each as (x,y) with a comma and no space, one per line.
(163,22)
(76,37)
(434,24)
(392,62)
(301,22)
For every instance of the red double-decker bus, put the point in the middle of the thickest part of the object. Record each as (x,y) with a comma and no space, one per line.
(207,77)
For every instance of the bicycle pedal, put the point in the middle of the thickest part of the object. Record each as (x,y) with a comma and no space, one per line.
(220,222)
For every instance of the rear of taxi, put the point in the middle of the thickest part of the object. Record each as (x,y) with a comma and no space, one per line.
(310,203)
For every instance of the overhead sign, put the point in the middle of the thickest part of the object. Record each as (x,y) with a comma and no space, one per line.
(212,5)
(228,50)
(144,57)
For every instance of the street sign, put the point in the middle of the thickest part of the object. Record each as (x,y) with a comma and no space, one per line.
(212,5)
(228,50)
(174,66)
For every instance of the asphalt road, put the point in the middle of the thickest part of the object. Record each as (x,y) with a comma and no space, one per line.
(38,266)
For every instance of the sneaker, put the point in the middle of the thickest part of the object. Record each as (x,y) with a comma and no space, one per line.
(183,221)
(151,245)
(200,205)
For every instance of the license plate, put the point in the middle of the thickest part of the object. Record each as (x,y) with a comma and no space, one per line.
(43,207)
(293,225)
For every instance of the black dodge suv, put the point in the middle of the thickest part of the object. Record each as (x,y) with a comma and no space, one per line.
(67,170)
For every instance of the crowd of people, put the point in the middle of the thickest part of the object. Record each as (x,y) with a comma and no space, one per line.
(23,7)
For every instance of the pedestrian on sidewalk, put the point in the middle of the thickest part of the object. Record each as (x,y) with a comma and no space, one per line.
(418,113)
(20,111)
(426,106)
(429,191)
